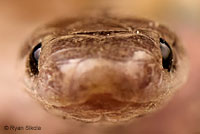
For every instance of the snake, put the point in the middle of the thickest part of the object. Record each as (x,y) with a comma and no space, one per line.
(102,68)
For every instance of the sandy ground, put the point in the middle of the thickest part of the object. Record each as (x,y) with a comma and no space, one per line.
(17,21)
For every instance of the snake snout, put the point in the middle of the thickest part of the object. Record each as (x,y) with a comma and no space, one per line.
(103,85)
(97,77)
(121,80)
(77,81)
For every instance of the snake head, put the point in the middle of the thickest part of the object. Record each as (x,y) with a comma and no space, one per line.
(94,69)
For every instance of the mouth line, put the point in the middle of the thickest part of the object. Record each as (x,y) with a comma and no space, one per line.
(89,113)
(104,103)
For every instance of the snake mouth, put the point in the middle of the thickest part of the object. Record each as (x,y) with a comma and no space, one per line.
(102,107)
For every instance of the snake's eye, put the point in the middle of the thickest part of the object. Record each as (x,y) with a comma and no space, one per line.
(166,54)
(34,57)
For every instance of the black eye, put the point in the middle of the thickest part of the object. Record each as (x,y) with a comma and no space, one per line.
(34,57)
(167,55)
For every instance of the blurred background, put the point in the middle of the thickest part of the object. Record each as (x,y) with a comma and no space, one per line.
(18,18)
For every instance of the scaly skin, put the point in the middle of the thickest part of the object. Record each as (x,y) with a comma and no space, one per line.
(102,68)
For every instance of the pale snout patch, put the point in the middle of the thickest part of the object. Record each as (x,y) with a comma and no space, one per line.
(141,55)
